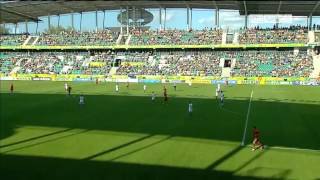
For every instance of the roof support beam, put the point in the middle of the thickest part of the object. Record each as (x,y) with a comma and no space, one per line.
(37,27)
(188,19)
(165,17)
(104,18)
(314,8)
(27,30)
(246,15)
(127,18)
(279,7)
(72,20)
(59,20)
(27,17)
(81,22)
(215,4)
(15,28)
(245,7)
(121,30)
(96,13)
(49,21)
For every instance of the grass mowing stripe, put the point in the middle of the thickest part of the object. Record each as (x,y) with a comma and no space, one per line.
(247,119)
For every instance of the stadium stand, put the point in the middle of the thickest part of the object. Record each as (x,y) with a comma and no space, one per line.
(101,37)
(251,63)
(272,64)
(293,34)
(152,37)
(13,40)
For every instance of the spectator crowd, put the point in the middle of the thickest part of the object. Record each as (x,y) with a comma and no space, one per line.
(272,63)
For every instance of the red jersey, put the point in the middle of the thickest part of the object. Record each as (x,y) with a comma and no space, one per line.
(165,92)
(256,133)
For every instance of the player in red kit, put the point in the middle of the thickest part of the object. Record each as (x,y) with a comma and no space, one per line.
(256,143)
(11,88)
(165,94)
(69,90)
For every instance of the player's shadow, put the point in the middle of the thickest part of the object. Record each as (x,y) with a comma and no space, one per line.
(281,124)
(36,167)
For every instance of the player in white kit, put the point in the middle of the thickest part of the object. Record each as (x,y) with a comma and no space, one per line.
(66,87)
(144,88)
(190,108)
(117,87)
(221,98)
(153,96)
(217,93)
(81,100)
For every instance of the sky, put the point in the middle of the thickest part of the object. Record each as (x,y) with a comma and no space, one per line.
(175,19)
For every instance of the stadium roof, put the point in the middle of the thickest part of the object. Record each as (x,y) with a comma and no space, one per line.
(20,11)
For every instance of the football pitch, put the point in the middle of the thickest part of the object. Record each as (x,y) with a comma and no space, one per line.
(45,134)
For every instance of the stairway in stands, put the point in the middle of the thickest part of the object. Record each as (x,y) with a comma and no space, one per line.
(316,64)
(113,71)
(31,40)
(224,37)
(226,72)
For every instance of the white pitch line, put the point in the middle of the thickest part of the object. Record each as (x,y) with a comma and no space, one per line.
(293,149)
(287,148)
(247,119)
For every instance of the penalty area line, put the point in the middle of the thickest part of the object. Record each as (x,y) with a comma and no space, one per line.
(247,120)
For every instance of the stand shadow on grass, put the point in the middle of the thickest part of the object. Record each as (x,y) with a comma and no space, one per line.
(281,124)
(14,167)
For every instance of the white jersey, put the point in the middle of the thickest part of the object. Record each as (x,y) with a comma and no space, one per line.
(219,88)
(217,92)
(117,87)
(221,96)
(190,107)
(153,97)
(190,83)
(144,87)
(81,100)
(66,86)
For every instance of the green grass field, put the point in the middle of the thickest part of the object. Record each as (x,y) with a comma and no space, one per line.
(47,135)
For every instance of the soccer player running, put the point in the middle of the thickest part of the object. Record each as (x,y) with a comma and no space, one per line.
(219,87)
(256,143)
(117,87)
(81,100)
(66,87)
(221,98)
(144,88)
(11,88)
(217,94)
(153,96)
(190,108)
(69,90)
(175,86)
(165,94)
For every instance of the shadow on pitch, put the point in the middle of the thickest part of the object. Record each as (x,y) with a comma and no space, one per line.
(281,124)
(33,167)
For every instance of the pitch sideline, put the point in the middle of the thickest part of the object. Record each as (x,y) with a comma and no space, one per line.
(247,120)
